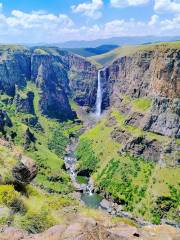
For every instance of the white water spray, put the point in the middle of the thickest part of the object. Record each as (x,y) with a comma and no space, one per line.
(99,96)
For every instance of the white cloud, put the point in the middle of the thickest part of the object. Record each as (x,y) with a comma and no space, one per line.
(37,19)
(127,3)
(172,25)
(154,19)
(167,6)
(89,9)
(40,26)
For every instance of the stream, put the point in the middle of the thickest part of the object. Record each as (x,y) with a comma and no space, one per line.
(88,193)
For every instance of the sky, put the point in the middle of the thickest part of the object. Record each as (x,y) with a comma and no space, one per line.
(55,21)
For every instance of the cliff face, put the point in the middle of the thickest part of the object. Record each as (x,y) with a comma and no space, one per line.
(14,69)
(83,80)
(57,74)
(154,74)
(146,73)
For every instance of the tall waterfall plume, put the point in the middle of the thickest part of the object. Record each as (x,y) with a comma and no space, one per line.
(99,96)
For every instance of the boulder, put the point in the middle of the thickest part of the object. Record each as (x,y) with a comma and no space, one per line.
(25,171)
(105,204)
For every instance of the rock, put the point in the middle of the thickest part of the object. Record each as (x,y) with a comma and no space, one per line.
(164,117)
(151,72)
(4,120)
(15,68)
(29,139)
(134,119)
(58,75)
(24,104)
(124,231)
(105,204)
(120,135)
(140,146)
(25,171)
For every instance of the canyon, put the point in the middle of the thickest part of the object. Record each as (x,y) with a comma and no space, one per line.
(66,122)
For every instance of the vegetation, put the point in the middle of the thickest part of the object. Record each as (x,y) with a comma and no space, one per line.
(141,104)
(35,210)
(128,50)
(86,158)
(141,186)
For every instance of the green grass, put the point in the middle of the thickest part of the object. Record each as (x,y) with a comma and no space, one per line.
(141,104)
(134,182)
(135,131)
(82,180)
(107,58)
(50,145)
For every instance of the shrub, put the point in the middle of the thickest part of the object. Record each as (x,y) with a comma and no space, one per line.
(86,156)
(10,198)
(35,222)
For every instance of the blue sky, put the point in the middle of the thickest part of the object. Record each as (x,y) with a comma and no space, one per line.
(51,21)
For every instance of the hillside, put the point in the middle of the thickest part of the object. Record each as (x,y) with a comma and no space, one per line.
(108,58)
(135,147)
(88,52)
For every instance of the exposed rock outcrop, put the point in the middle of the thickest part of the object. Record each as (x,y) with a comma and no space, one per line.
(141,147)
(24,104)
(57,74)
(25,171)
(29,139)
(153,72)
(164,117)
(4,120)
(15,68)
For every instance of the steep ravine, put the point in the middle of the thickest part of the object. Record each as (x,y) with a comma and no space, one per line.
(129,155)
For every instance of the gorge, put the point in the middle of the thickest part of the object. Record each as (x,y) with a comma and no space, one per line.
(57,148)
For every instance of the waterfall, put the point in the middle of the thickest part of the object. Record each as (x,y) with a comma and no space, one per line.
(99,96)
(90,187)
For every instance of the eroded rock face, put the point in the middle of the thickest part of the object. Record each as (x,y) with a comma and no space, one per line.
(58,75)
(145,73)
(15,68)
(4,120)
(164,117)
(25,171)
(141,147)
(25,104)
(29,139)
(83,80)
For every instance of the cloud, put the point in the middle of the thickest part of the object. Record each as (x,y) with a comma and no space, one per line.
(154,19)
(41,26)
(171,25)
(167,6)
(89,9)
(37,19)
(127,3)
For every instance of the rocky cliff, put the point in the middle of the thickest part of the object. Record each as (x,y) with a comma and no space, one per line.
(152,73)
(58,75)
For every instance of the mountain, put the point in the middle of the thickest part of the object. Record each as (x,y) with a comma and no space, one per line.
(55,153)
(109,57)
(88,52)
(120,41)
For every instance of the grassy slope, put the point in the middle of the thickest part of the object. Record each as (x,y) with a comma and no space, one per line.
(108,58)
(40,207)
(134,182)
(89,52)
